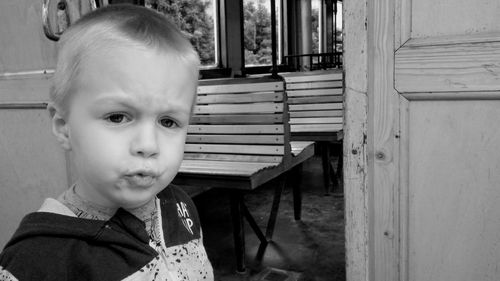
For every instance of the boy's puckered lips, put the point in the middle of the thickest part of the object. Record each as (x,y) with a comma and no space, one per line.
(141,178)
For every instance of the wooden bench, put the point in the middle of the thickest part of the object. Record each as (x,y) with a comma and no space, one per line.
(239,139)
(315,100)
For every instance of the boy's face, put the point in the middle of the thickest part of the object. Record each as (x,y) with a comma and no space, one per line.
(127,124)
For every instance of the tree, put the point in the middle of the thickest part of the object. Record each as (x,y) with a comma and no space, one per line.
(194,18)
(257,32)
(315,30)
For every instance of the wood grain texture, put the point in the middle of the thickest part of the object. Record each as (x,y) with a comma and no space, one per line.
(452,210)
(237,119)
(383,125)
(260,139)
(323,120)
(447,76)
(233,157)
(236,149)
(454,17)
(315,102)
(217,86)
(355,151)
(25,87)
(316,99)
(317,92)
(236,129)
(311,76)
(316,128)
(454,63)
(321,106)
(241,98)
(328,113)
(314,85)
(246,140)
(239,108)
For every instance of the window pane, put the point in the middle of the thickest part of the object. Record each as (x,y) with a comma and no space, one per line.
(196,18)
(315,25)
(257,31)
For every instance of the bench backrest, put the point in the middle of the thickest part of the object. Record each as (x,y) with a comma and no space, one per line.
(239,120)
(315,101)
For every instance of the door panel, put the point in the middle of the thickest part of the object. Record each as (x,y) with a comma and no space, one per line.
(32,165)
(425,206)
(446,75)
(454,218)
(454,17)
(23,44)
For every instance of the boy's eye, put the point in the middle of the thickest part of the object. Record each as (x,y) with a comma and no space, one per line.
(117,118)
(167,123)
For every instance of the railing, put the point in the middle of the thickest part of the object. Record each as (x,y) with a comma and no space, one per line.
(314,61)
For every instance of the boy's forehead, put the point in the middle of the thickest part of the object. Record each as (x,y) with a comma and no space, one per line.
(147,102)
(138,62)
(133,75)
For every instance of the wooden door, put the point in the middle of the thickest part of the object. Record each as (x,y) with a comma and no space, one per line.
(32,165)
(428,191)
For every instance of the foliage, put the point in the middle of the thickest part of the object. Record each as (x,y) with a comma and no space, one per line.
(257,32)
(195,19)
(315,30)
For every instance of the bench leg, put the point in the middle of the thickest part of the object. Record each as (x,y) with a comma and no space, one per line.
(238,230)
(240,211)
(325,160)
(253,224)
(297,192)
(339,174)
(275,207)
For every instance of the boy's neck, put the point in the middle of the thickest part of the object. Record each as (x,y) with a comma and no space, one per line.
(89,210)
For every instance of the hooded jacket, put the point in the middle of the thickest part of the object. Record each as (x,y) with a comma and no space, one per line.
(52,245)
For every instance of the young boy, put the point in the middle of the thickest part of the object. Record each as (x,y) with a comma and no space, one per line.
(123,93)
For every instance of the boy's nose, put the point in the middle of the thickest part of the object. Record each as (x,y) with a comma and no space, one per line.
(145,143)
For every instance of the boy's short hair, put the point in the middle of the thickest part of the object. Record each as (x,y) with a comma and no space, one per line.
(121,25)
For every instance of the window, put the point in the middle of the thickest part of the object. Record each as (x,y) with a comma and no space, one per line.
(197,19)
(315,25)
(324,21)
(257,31)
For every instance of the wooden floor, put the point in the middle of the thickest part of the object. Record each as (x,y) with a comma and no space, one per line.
(310,249)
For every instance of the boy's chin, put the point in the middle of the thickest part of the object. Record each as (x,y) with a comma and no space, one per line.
(137,203)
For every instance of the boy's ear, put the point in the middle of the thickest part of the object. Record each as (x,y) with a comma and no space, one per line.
(59,126)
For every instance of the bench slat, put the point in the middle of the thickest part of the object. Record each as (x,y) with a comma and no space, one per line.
(235,129)
(239,88)
(260,139)
(239,108)
(314,85)
(325,120)
(223,168)
(294,77)
(237,118)
(319,106)
(316,128)
(233,157)
(317,113)
(313,99)
(241,98)
(315,92)
(236,149)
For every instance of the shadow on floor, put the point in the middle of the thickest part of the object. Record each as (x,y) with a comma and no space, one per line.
(309,249)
